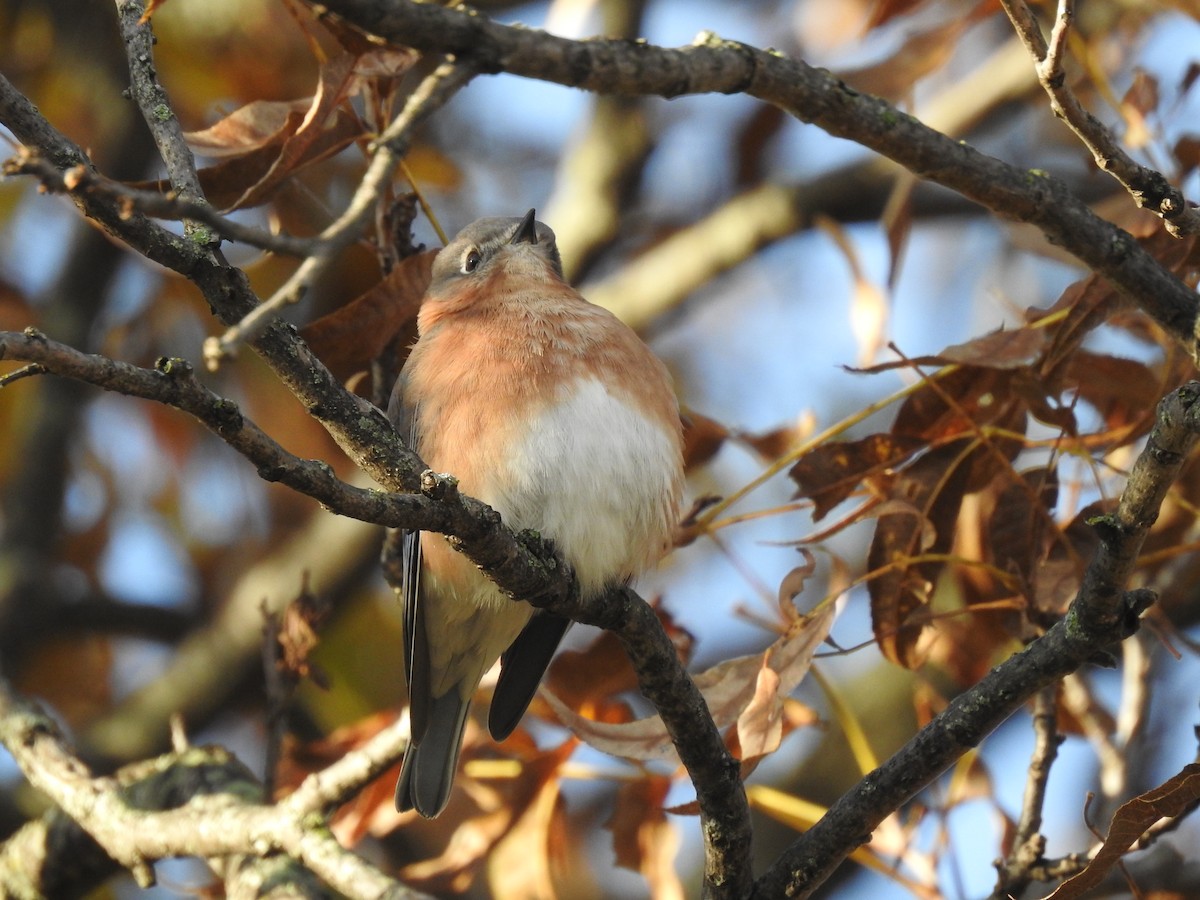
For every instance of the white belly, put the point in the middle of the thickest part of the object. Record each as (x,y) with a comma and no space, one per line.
(599,480)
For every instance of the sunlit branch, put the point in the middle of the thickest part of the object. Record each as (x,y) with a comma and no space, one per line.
(1148,187)
(216,823)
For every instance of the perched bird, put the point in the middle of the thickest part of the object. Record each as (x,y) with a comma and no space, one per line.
(552,411)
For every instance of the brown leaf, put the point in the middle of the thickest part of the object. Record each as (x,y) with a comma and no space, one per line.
(828,474)
(1187,153)
(1004,349)
(73,674)
(883,11)
(644,840)
(728,687)
(1139,101)
(1167,801)
(520,867)
(934,484)
(897,220)
(500,807)
(702,439)
(1058,576)
(1124,391)
(922,53)
(348,339)
(759,728)
(751,142)
(588,679)
(868,304)
(298,636)
(1018,523)
(773,444)
(954,404)
(265,142)
(262,123)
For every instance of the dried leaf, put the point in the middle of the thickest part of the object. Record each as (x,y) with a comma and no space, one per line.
(752,140)
(869,309)
(868,305)
(1124,391)
(897,220)
(760,726)
(922,53)
(348,339)
(590,680)
(1187,153)
(1018,523)
(265,142)
(1139,101)
(1058,576)
(522,802)
(828,474)
(298,636)
(702,439)
(728,687)
(954,404)
(520,866)
(644,840)
(1003,349)
(883,11)
(259,124)
(899,590)
(1169,800)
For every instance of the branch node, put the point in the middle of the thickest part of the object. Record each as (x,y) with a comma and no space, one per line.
(438,486)
(23,372)
(173,367)
(1133,604)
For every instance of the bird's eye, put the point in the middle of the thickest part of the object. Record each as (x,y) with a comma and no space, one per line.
(471,261)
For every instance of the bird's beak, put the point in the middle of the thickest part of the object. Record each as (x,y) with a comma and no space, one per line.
(526,231)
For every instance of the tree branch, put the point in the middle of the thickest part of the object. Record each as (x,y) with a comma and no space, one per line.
(528,573)
(1101,615)
(1149,188)
(199,802)
(1029,845)
(713,65)
(83,180)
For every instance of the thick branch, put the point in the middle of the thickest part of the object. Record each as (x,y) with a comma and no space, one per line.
(185,804)
(712,65)
(530,574)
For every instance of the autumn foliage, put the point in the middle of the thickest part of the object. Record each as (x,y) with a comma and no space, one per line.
(862,547)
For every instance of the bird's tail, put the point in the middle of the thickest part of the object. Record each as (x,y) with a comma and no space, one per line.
(427,773)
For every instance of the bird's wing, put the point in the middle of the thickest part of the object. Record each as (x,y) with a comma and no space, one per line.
(403,416)
(521,668)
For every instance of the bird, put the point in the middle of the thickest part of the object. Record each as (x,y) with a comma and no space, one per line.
(554,412)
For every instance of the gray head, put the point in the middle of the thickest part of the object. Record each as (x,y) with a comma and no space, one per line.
(478,250)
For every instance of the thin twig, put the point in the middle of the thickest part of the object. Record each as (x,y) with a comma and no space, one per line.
(1148,187)
(1029,845)
(23,372)
(388,149)
(81,180)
